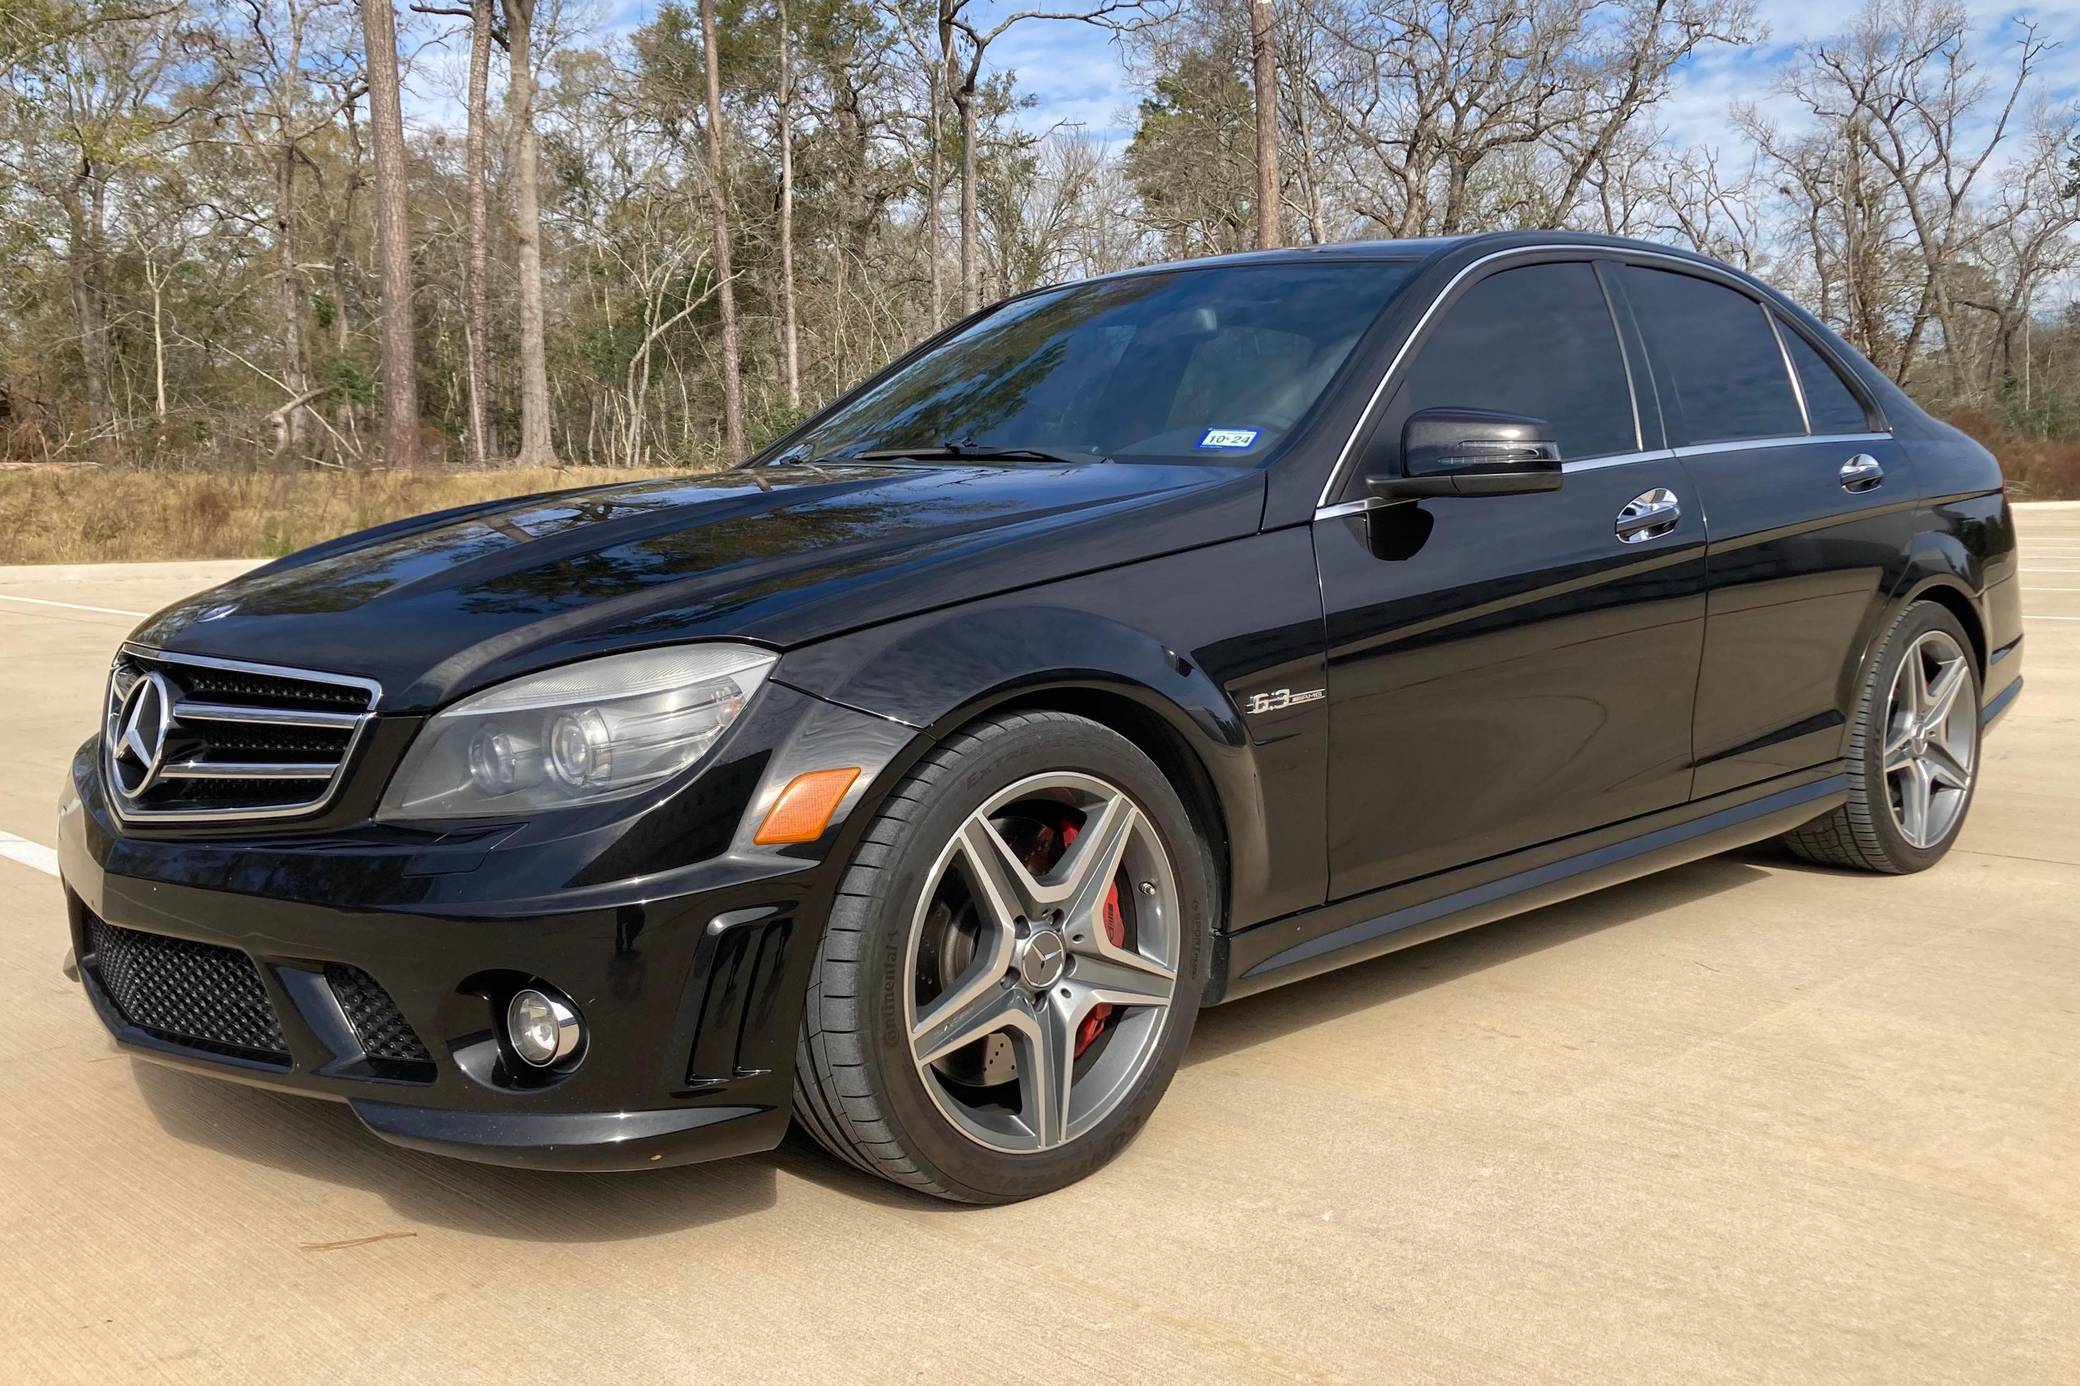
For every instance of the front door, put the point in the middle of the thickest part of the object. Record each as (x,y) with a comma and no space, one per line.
(1508,670)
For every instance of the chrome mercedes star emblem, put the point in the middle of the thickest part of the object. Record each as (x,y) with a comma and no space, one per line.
(141,727)
(1042,960)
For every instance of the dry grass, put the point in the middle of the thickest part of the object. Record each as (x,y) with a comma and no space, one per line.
(117,514)
(2036,468)
(63,514)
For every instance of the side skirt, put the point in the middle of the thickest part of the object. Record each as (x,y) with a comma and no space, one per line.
(1383,921)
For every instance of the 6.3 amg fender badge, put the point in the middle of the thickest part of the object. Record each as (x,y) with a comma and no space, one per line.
(1281,698)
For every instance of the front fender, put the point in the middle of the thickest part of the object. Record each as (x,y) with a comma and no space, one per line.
(1181,643)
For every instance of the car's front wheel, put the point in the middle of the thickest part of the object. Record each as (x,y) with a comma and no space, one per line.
(1013,964)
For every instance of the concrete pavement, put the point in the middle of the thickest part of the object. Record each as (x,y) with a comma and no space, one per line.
(1744,1121)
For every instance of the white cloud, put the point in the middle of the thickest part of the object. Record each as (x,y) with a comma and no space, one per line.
(1079,75)
(1075,73)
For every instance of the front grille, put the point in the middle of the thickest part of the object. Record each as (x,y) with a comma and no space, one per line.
(187,737)
(196,994)
(387,1038)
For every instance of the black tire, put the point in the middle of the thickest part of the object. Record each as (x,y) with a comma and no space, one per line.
(1862,834)
(857,1091)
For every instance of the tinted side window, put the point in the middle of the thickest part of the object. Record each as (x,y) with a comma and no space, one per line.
(1538,341)
(1716,349)
(1830,405)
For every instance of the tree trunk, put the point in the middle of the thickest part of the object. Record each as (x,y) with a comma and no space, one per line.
(289,297)
(726,297)
(971,272)
(155,281)
(790,333)
(393,235)
(937,166)
(537,422)
(344,292)
(474,290)
(90,308)
(1264,42)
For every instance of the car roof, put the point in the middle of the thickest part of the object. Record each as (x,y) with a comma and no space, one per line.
(1418,248)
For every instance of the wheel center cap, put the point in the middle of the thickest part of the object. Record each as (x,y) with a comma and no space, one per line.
(1042,958)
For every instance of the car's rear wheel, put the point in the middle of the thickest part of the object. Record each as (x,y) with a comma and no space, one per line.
(1914,753)
(1013,964)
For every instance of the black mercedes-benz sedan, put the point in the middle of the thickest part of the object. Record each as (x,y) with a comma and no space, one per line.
(1128,648)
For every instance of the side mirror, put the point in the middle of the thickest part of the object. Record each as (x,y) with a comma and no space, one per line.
(1471,452)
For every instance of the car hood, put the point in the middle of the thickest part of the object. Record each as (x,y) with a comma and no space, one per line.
(447,603)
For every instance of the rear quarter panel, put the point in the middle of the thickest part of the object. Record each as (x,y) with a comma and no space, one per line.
(1966,541)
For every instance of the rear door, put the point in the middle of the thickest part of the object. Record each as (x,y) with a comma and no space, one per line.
(1506,670)
(1808,503)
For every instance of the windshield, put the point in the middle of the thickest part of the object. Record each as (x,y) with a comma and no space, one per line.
(1194,364)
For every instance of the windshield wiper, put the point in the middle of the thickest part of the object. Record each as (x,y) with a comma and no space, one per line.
(968,450)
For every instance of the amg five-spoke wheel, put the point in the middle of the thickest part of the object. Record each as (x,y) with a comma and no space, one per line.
(1913,751)
(1046,965)
(1013,964)
(1931,739)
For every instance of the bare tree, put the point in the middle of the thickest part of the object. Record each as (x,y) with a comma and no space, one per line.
(478,193)
(537,417)
(1902,88)
(726,297)
(393,235)
(784,96)
(73,124)
(1632,58)
(1432,97)
(966,89)
(285,53)
(1264,62)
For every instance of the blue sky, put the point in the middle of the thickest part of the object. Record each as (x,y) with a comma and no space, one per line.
(1078,75)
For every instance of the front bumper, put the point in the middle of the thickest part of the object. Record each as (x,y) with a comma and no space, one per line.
(689,975)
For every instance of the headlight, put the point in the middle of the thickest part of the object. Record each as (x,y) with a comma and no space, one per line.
(575,735)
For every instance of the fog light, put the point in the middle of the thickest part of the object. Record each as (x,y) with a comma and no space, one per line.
(543,1027)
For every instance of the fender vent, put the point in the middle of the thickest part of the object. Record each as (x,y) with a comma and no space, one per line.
(744,976)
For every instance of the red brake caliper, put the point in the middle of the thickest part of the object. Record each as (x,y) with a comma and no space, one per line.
(1115,930)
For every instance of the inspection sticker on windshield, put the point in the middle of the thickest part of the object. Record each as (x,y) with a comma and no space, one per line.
(1229,438)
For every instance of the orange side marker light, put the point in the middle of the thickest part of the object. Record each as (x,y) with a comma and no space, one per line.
(804,808)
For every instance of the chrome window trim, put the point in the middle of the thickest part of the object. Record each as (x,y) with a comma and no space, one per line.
(333,781)
(1639,427)
(1586,464)
(1782,440)
(1352,507)
(1858,391)
(1709,269)
(1798,389)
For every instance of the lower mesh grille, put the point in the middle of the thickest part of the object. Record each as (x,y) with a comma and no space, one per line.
(189,993)
(386,1037)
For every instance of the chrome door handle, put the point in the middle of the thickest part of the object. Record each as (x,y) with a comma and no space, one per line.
(1648,515)
(1862,473)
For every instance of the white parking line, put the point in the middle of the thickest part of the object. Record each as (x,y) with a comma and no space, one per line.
(2029,616)
(29,853)
(73,606)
